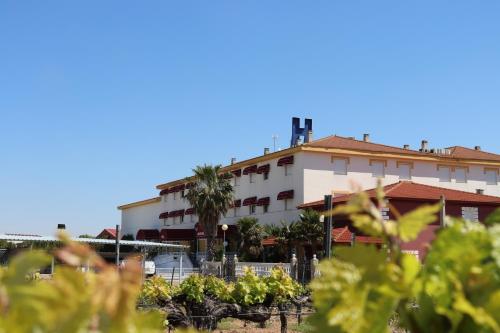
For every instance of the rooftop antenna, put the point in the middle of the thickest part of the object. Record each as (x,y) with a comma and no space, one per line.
(275,138)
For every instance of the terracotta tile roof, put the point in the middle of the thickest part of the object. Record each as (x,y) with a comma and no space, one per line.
(271,240)
(456,152)
(344,235)
(111,232)
(340,142)
(411,190)
(467,153)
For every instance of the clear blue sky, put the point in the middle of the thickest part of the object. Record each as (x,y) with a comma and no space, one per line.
(102,100)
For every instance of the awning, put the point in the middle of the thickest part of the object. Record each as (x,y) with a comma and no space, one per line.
(250,169)
(283,195)
(237,172)
(263,168)
(285,160)
(175,213)
(148,234)
(189,211)
(237,203)
(177,234)
(263,201)
(163,215)
(250,201)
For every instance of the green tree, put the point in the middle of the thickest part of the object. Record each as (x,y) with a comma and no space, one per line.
(457,289)
(250,234)
(309,230)
(211,196)
(282,234)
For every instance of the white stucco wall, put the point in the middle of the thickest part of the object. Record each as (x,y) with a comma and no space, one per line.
(260,187)
(319,178)
(140,217)
(312,177)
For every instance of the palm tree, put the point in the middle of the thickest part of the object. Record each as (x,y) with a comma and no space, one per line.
(251,234)
(309,230)
(211,195)
(284,236)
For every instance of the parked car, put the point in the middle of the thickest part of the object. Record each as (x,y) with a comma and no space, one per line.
(149,267)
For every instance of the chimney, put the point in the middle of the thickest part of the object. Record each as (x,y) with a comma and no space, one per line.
(233,160)
(424,146)
(366,137)
(266,151)
(61,226)
(406,146)
(477,148)
(480,191)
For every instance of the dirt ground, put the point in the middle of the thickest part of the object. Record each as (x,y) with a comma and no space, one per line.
(272,325)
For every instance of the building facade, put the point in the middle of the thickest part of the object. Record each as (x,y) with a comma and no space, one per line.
(270,187)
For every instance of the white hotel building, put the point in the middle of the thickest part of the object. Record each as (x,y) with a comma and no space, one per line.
(271,186)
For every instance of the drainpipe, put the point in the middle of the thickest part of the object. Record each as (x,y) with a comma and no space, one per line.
(442,212)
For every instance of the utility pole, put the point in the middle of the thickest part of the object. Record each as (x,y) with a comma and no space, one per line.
(117,243)
(328,226)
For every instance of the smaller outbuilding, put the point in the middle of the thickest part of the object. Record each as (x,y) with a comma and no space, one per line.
(404,197)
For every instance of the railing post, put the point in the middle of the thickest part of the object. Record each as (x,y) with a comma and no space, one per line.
(293,267)
(314,267)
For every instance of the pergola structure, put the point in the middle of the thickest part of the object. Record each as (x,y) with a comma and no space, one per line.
(143,245)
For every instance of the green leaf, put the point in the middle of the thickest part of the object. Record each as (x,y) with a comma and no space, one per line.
(493,218)
(412,223)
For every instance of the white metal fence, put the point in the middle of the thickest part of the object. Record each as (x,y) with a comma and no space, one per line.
(176,275)
(260,268)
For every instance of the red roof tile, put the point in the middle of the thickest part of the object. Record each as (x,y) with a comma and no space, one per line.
(335,141)
(467,153)
(110,232)
(411,190)
(456,152)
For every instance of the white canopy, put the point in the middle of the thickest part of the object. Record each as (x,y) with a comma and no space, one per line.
(49,239)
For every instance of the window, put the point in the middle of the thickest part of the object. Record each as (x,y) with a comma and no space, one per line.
(470,213)
(404,170)
(266,175)
(250,177)
(165,223)
(191,218)
(183,193)
(461,175)
(252,209)
(288,169)
(235,213)
(444,173)
(288,204)
(165,198)
(181,219)
(175,195)
(236,181)
(378,168)
(491,176)
(339,166)
(265,208)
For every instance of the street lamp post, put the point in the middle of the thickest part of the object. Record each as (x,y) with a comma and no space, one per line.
(223,261)
(224,228)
